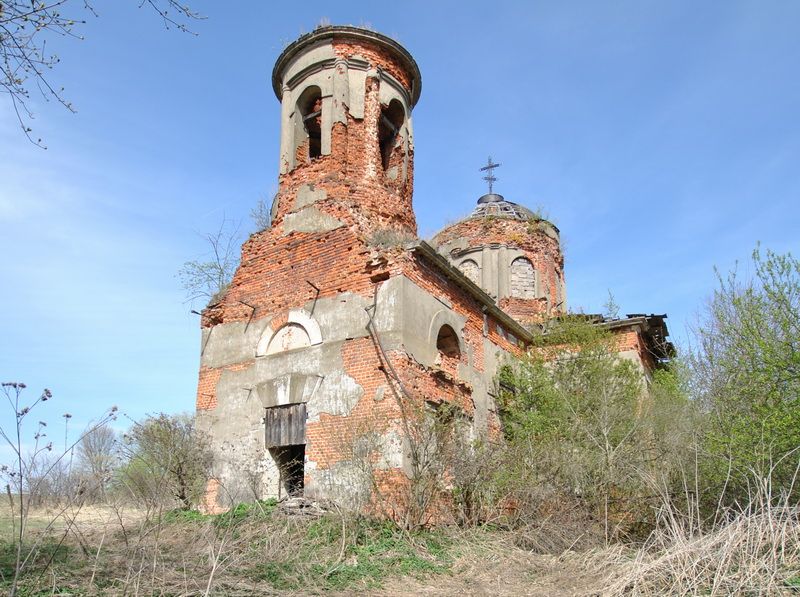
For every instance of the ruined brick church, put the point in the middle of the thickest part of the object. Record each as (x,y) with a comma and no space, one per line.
(339,314)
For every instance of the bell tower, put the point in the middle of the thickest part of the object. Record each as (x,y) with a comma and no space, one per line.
(347,145)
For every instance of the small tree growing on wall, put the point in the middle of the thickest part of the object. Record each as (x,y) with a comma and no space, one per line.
(208,278)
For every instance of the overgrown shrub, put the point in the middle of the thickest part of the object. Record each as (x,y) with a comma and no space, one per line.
(746,372)
(584,427)
(168,460)
(37,474)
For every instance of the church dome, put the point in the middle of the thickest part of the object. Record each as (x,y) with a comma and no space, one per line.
(496,205)
(510,252)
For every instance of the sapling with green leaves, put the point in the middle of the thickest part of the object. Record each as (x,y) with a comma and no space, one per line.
(745,368)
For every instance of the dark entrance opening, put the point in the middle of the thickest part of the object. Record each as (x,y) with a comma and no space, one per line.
(290,461)
(285,433)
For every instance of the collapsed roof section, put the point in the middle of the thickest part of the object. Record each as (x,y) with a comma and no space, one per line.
(652,328)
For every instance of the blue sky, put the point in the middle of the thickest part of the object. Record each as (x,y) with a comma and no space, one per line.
(662,138)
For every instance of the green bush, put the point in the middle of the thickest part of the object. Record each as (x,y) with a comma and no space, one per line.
(746,370)
(584,426)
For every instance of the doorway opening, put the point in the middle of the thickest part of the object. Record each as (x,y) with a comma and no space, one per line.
(291,464)
(285,434)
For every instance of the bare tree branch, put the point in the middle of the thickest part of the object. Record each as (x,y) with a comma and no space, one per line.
(208,279)
(26,25)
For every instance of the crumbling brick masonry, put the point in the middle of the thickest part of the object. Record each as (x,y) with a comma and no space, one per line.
(339,319)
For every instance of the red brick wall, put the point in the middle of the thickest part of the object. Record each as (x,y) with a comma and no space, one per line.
(207,384)
(376,55)
(272,279)
(331,439)
(363,361)
(358,190)
(274,272)
(207,388)
(526,310)
(631,339)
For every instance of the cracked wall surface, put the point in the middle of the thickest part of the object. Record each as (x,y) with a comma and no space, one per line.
(318,314)
(344,382)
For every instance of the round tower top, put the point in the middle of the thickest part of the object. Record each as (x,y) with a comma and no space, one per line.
(496,205)
(352,34)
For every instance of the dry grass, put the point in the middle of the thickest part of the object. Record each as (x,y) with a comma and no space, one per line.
(253,550)
(257,551)
(755,551)
(492,564)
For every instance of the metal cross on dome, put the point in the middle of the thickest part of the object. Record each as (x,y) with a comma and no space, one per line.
(490,178)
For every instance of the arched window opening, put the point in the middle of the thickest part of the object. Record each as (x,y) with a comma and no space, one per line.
(523,279)
(471,270)
(447,342)
(309,107)
(392,118)
(289,337)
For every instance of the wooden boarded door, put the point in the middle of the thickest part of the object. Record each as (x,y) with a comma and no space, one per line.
(285,425)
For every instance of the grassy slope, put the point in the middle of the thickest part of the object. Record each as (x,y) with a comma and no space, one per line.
(256,550)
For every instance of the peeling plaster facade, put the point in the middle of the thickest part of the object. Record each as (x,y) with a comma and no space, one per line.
(332,333)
